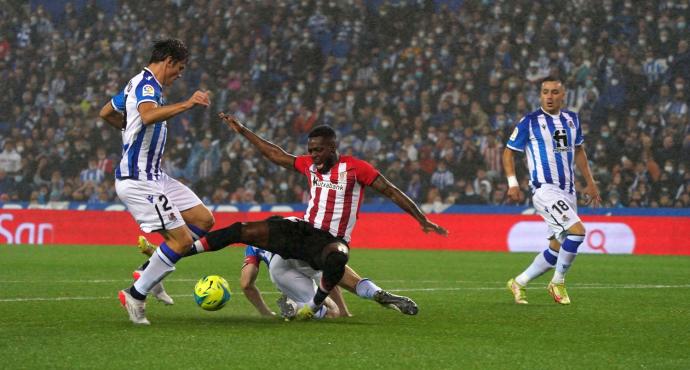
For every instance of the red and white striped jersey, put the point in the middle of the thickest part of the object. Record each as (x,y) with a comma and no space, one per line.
(335,197)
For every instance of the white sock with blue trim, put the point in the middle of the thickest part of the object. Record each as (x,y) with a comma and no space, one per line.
(366,288)
(566,256)
(544,261)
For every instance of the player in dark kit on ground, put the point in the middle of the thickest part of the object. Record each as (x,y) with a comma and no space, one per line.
(321,239)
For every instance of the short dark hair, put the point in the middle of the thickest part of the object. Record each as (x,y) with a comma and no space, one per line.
(324,131)
(552,79)
(169,48)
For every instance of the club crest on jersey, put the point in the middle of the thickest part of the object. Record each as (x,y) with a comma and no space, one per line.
(571,124)
(150,198)
(147,90)
(172,217)
(342,177)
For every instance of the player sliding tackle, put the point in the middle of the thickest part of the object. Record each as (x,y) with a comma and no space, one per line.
(321,238)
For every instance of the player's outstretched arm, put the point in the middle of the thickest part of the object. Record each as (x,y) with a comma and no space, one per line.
(509,169)
(152,113)
(111,116)
(248,283)
(337,296)
(273,152)
(591,191)
(385,187)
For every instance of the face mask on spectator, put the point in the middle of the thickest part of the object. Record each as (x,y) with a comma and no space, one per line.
(668,169)
(20,149)
(612,124)
(649,18)
(680,25)
(283,186)
(232,155)
(663,38)
(18,178)
(300,87)
(601,146)
(444,52)
(679,87)
(385,123)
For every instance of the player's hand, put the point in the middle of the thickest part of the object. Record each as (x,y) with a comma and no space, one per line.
(428,226)
(514,194)
(231,121)
(592,196)
(200,98)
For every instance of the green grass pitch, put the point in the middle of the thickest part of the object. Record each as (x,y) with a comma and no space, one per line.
(58,309)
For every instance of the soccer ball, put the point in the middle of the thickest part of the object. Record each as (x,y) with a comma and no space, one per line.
(212,292)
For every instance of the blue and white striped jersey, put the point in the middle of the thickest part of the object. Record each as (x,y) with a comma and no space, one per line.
(143,145)
(550,142)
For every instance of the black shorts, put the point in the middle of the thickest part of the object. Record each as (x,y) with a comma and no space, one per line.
(299,240)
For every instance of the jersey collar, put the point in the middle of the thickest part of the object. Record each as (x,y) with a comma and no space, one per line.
(154,77)
(552,115)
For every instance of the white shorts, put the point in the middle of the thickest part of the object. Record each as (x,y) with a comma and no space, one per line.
(558,208)
(156,204)
(295,278)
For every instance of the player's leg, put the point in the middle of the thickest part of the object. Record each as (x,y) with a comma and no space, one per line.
(158,290)
(566,256)
(332,261)
(160,265)
(543,262)
(253,233)
(153,211)
(367,289)
(297,287)
(559,210)
(198,218)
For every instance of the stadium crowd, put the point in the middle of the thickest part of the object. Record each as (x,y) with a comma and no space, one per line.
(427,91)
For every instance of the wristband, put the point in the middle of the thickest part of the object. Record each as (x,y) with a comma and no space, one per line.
(512,182)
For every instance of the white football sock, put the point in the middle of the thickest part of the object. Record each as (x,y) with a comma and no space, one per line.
(159,267)
(539,266)
(566,256)
(366,288)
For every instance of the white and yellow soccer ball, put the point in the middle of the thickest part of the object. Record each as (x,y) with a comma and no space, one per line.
(212,292)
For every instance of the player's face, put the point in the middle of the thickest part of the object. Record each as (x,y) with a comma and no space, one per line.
(173,71)
(322,152)
(552,95)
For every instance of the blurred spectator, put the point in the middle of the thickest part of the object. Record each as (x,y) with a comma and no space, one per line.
(10,159)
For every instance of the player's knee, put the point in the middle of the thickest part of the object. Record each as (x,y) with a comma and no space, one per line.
(336,260)
(208,222)
(577,229)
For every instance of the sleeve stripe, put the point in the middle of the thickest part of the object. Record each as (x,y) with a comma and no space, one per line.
(115,107)
(514,148)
